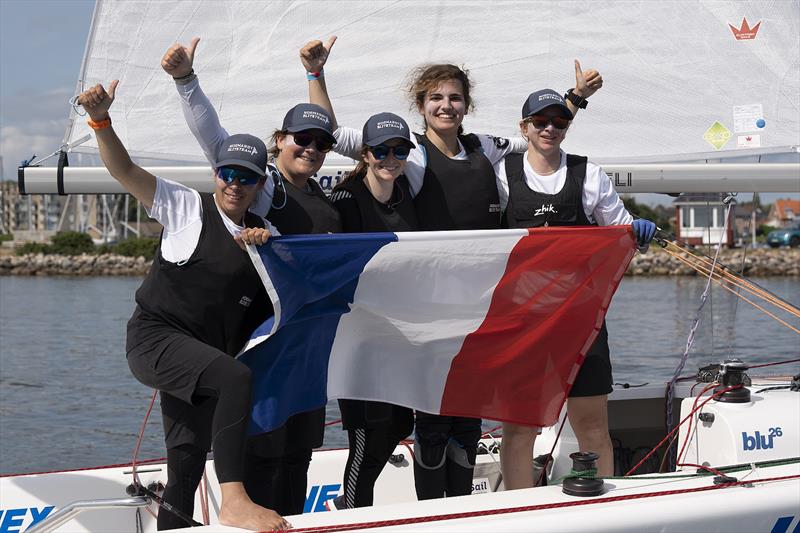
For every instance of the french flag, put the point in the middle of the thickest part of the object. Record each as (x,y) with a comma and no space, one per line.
(487,324)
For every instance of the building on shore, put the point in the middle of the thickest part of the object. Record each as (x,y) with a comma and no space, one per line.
(37,217)
(784,213)
(700,219)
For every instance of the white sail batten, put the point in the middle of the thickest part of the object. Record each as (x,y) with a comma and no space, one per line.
(665,178)
(680,77)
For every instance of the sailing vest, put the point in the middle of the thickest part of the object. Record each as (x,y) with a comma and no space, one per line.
(530,209)
(213,295)
(299,211)
(398,215)
(457,194)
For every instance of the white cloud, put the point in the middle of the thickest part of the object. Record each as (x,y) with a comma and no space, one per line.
(31,123)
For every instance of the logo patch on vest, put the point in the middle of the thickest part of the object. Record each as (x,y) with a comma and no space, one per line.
(245,301)
(545,209)
(494,208)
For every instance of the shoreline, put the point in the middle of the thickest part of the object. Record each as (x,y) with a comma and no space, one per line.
(763,262)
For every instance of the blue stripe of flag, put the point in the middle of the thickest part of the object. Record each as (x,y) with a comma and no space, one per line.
(315,277)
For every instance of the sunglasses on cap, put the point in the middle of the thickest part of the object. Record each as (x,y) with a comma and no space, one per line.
(382,151)
(540,122)
(245,177)
(304,139)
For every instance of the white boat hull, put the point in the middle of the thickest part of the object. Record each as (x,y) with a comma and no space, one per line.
(766,498)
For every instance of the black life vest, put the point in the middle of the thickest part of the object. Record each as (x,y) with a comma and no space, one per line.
(530,209)
(457,194)
(300,211)
(396,215)
(211,296)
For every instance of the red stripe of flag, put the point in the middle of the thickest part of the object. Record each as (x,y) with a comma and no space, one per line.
(546,311)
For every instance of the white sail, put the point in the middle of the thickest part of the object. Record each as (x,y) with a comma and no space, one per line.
(672,69)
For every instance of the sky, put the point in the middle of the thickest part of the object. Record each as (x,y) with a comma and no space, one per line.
(41,47)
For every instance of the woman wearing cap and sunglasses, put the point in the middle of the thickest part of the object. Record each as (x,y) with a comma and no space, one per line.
(294,203)
(453,178)
(375,196)
(190,320)
(547,187)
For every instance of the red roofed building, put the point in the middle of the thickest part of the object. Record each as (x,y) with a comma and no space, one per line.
(784,213)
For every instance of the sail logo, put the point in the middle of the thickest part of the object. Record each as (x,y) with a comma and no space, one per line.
(717,135)
(549,208)
(745,32)
(757,441)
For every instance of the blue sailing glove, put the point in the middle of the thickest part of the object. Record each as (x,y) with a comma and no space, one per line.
(644,231)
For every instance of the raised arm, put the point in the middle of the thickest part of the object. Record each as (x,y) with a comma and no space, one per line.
(137,181)
(200,115)
(314,55)
(586,84)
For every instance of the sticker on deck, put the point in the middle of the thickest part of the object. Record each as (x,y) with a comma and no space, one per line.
(717,135)
(748,118)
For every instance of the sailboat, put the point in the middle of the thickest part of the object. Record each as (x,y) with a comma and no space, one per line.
(699,97)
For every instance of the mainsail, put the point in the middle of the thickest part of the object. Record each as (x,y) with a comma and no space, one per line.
(700,81)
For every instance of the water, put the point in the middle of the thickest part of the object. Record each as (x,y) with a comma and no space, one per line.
(67,399)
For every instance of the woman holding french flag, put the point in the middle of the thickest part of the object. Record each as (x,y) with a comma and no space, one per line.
(277,461)
(547,187)
(452,178)
(195,309)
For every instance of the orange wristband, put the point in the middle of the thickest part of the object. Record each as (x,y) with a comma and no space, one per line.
(100,124)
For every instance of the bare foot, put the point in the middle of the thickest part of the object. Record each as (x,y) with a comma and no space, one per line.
(238,510)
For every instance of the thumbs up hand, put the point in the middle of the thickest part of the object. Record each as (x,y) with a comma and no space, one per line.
(178,59)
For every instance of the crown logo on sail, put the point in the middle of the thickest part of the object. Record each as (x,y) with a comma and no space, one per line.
(745,33)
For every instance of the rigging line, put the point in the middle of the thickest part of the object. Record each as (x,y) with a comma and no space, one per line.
(681,457)
(738,281)
(732,332)
(693,330)
(141,438)
(776,363)
(718,279)
(671,240)
(771,315)
(727,272)
(549,458)
(657,446)
(719,246)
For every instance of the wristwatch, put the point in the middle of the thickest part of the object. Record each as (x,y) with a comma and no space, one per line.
(579,101)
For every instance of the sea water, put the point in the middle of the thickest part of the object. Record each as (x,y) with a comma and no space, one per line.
(68,400)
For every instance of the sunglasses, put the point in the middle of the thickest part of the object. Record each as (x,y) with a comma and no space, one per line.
(245,177)
(382,151)
(540,122)
(304,139)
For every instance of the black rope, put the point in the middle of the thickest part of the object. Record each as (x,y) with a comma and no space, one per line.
(144,491)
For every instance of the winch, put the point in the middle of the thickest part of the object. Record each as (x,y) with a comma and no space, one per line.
(741,425)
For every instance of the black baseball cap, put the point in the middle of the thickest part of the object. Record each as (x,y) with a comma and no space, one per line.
(385,126)
(539,100)
(243,150)
(309,117)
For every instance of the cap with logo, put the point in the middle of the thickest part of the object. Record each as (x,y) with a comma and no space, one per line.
(539,100)
(243,150)
(386,126)
(309,117)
